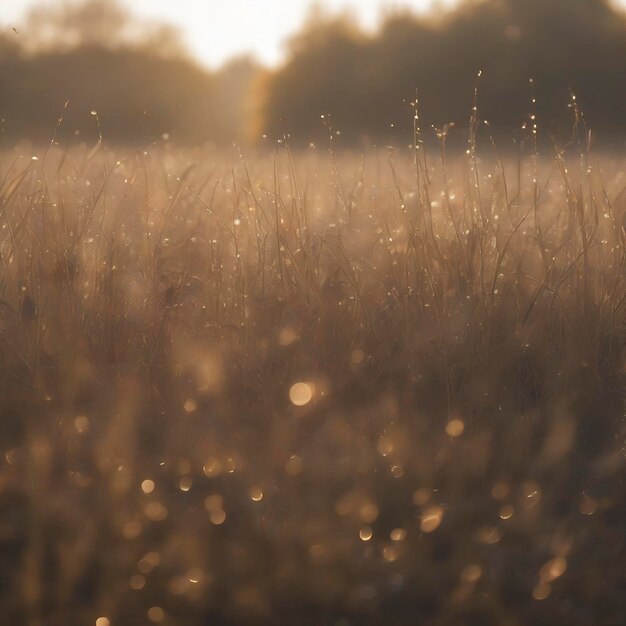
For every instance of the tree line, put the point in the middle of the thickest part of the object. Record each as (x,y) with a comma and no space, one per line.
(534,56)
(105,72)
(544,62)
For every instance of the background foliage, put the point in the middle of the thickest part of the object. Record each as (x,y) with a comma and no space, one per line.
(143,84)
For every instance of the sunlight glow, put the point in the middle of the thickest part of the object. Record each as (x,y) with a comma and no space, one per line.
(217,31)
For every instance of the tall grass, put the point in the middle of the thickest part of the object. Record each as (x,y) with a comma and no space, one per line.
(311,388)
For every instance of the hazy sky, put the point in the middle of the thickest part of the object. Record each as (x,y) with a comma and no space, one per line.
(218,29)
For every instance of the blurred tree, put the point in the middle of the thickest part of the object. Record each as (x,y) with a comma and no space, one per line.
(101,23)
(143,84)
(64,25)
(9,46)
(136,75)
(327,71)
(368,83)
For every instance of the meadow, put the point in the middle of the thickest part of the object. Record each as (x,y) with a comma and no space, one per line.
(312,387)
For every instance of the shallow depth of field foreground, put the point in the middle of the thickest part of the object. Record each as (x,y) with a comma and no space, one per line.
(311,388)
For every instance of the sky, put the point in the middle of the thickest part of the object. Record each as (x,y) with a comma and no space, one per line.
(217,30)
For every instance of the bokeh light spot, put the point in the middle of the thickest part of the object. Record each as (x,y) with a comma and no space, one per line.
(301,393)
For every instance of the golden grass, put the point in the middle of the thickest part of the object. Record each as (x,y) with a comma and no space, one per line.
(310,388)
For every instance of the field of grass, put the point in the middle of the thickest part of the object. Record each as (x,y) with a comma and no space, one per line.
(311,388)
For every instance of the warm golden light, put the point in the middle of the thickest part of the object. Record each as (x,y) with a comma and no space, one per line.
(301,393)
(185,483)
(190,405)
(156,614)
(506,512)
(212,468)
(256,494)
(455,428)
(431,519)
(421,496)
(366,533)
(137,582)
(81,424)
(541,592)
(553,569)
(294,465)
(471,573)
(287,336)
(155,511)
